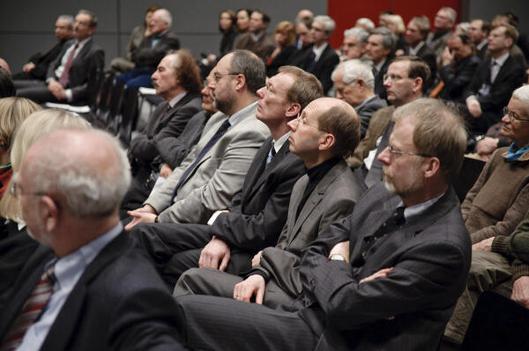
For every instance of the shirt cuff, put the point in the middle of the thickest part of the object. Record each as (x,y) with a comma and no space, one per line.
(68,93)
(214,216)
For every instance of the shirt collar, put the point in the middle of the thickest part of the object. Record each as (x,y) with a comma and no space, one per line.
(278,144)
(415,50)
(378,67)
(417,209)
(482,44)
(318,50)
(177,98)
(239,115)
(365,102)
(501,60)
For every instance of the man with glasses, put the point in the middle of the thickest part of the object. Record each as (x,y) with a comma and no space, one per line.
(214,170)
(493,208)
(384,278)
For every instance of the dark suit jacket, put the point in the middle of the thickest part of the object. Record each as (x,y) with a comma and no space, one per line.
(42,60)
(323,68)
(366,110)
(89,61)
(165,122)
(119,303)
(153,48)
(408,309)
(379,78)
(509,78)
(457,76)
(333,198)
(282,59)
(262,47)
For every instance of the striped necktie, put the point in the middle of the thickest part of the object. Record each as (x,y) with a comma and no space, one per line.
(31,311)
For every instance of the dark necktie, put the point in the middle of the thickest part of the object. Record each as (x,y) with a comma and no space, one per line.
(65,75)
(218,134)
(271,154)
(31,311)
(493,70)
(311,61)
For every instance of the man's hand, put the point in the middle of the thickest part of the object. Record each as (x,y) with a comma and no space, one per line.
(28,67)
(256,260)
(486,146)
(383,273)
(216,255)
(165,170)
(520,291)
(56,89)
(483,245)
(446,57)
(146,214)
(254,285)
(341,249)
(474,107)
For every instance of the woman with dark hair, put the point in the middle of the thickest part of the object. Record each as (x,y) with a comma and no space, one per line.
(228,29)
(243,20)
(285,40)
(7,88)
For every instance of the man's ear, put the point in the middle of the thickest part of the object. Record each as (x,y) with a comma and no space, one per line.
(240,80)
(293,110)
(432,167)
(327,142)
(48,212)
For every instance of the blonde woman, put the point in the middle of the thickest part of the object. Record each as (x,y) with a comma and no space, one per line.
(13,111)
(16,246)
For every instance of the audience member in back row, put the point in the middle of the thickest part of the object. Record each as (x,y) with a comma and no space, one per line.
(256,39)
(228,29)
(380,49)
(177,81)
(493,208)
(326,193)
(495,80)
(367,283)
(214,171)
(16,246)
(257,214)
(354,44)
(68,75)
(415,39)
(37,66)
(284,37)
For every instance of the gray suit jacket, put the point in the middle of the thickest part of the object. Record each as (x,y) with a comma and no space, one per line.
(366,109)
(218,176)
(333,198)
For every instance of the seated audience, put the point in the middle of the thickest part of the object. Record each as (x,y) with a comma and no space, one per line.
(256,39)
(458,67)
(16,245)
(37,66)
(443,24)
(257,214)
(365,24)
(479,32)
(367,283)
(213,172)
(123,64)
(325,194)
(152,50)
(354,44)
(243,20)
(395,24)
(379,49)
(495,80)
(228,29)
(67,77)
(94,290)
(303,37)
(285,38)
(355,84)
(177,81)
(415,44)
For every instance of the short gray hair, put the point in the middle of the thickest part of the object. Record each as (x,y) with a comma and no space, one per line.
(365,22)
(359,33)
(522,94)
(88,191)
(166,16)
(388,38)
(67,18)
(328,23)
(355,70)
(451,13)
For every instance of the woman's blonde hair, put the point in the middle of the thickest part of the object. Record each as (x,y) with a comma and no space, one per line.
(35,126)
(13,111)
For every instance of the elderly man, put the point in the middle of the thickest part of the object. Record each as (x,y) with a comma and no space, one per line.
(256,39)
(326,193)
(321,59)
(354,44)
(37,66)
(385,277)
(177,81)
(354,83)
(152,49)
(67,77)
(256,215)
(70,185)
(214,171)
(494,207)
(494,81)
(379,49)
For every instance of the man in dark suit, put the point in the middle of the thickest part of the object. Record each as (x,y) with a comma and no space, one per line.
(257,214)
(380,49)
(415,37)
(37,66)
(321,59)
(478,33)
(326,193)
(354,83)
(152,49)
(177,81)
(67,77)
(86,287)
(386,277)
(494,81)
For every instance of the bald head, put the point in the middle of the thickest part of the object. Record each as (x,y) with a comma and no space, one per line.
(87,169)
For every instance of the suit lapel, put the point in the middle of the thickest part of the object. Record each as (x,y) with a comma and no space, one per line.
(255,175)
(79,58)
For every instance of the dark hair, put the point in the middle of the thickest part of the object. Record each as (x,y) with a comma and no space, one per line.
(187,72)
(7,88)
(343,123)
(418,68)
(93,17)
(233,18)
(251,66)
(266,18)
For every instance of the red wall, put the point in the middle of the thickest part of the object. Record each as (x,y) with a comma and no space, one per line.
(346,12)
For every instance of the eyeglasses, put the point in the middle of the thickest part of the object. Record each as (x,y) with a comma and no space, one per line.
(218,76)
(513,115)
(16,190)
(397,153)
(302,121)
